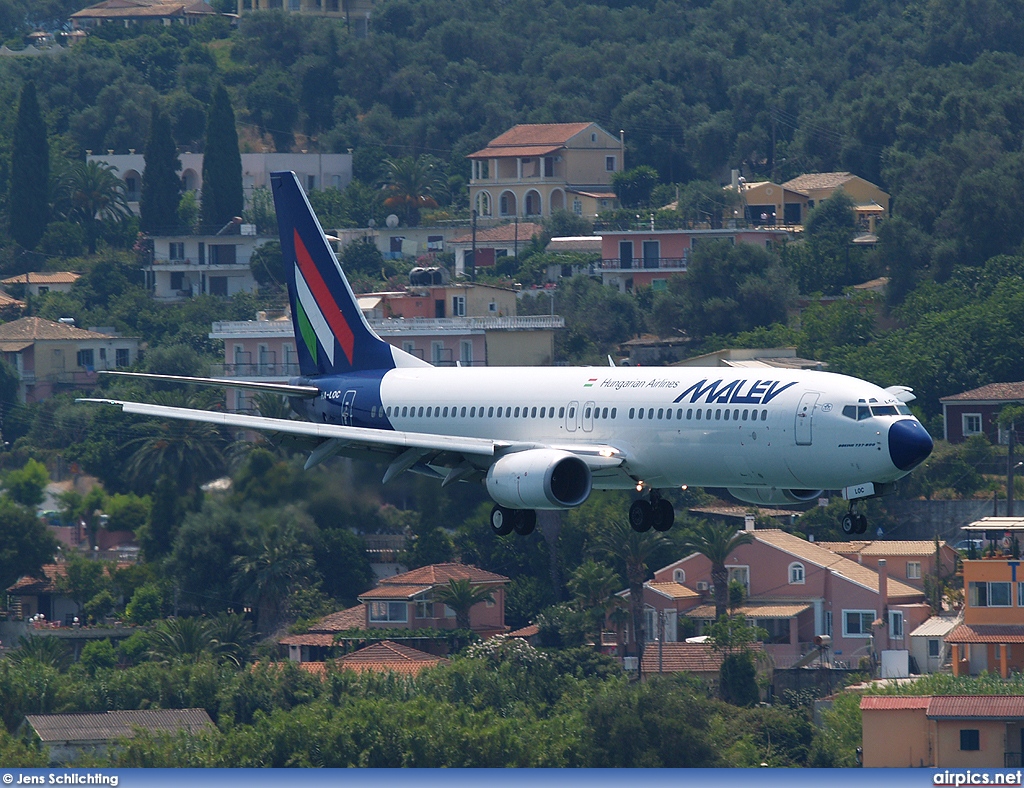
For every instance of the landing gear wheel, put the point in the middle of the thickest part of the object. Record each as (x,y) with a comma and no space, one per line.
(502,521)
(849,527)
(641,516)
(525,521)
(861,521)
(664,515)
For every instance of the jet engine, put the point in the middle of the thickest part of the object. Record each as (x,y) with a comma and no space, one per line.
(774,496)
(539,479)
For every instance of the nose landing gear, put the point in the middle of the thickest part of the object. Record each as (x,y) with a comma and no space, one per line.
(854,522)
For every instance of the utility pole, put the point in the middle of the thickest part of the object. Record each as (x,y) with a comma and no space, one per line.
(1010,468)
(472,274)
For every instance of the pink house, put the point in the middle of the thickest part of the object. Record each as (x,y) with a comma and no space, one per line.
(647,258)
(797,590)
(908,560)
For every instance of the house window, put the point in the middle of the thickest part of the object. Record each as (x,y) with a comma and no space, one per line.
(492,307)
(933,647)
(970,739)
(122,357)
(828,623)
(857,622)
(679,575)
(310,183)
(176,250)
(972,423)
(989,595)
(609,163)
(796,574)
(896,624)
(424,607)
(651,623)
(43,290)
(218,285)
(466,352)
(741,574)
(177,280)
(549,166)
(86,359)
(1020,594)
(389,612)
(223,254)
(437,352)
(458,306)
(577,207)
(913,570)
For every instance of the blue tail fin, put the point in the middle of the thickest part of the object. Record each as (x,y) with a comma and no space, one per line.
(331,335)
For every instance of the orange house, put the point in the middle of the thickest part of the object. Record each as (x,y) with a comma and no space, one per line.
(992,635)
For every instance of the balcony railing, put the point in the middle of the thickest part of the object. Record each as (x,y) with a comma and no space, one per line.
(677,264)
(285,370)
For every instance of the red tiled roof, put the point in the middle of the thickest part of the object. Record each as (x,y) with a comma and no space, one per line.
(316,668)
(976,706)
(529,631)
(503,233)
(34,328)
(527,139)
(42,278)
(986,633)
(352,618)
(439,574)
(389,656)
(893,702)
(308,639)
(675,657)
(818,180)
(394,591)
(993,392)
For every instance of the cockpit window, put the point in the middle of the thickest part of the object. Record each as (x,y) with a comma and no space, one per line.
(863,412)
(904,410)
(850,411)
(883,410)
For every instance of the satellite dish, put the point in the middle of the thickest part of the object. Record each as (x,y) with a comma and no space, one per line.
(392,220)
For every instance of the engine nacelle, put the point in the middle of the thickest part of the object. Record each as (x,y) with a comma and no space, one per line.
(539,479)
(774,496)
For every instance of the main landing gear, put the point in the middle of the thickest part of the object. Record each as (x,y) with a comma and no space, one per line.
(655,512)
(504,521)
(854,522)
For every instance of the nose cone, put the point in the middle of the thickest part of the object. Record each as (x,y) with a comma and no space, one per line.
(909,444)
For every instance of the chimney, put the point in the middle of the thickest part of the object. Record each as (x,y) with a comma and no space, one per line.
(883,581)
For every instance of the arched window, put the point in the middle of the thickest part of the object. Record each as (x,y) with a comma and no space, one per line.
(679,575)
(796,574)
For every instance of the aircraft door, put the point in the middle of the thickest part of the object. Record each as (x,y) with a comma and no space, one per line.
(588,416)
(805,417)
(347,404)
(571,414)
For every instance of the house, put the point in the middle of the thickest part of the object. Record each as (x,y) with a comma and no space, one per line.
(757,358)
(52,357)
(943,731)
(135,12)
(36,283)
(315,171)
(647,258)
(387,656)
(355,13)
(976,412)
(928,646)
(871,204)
(535,169)
(700,659)
(763,203)
(184,266)
(991,636)
(30,596)
(68,736)
(908,560)
(491,244)
(797,589)
(665,602)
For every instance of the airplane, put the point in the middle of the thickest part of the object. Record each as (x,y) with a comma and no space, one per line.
(542,438)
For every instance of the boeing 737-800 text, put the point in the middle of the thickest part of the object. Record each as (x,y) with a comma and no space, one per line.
(543,438)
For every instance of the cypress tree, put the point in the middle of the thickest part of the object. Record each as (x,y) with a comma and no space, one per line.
(161,186)
(30,172)
(222,165)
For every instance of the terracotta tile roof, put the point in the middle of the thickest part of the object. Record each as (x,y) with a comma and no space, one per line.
(837,564)
(986,633)
(42,278)
(675,657)
(532,630)
(308,639)
(673,590)
(439,574)
(844,548)
(389,656)
(393,591)
(352,618)
(142,8)
(976,706)
(818,180)
(547,137)
(754,610)
(503,233)
(35,328)
(883,548)
(993,392)
(316,668)
(39,585)
(893,702)
(115,724)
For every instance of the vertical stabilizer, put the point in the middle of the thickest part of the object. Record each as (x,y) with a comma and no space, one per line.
(331,334)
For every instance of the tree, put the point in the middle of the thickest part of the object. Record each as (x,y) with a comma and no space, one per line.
(222,165)
(411,183)
(27,485)
(461,595)
(83,580)
(715,542)
(25,543)
(91,194)
(30,172)
(633,187)
(161,185)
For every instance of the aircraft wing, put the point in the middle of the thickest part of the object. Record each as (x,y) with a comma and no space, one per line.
(406,450)
(285,389)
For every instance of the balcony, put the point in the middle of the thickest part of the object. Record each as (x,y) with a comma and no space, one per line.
(672,264)
(255,371)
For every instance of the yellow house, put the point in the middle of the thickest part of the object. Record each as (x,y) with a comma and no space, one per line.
(871,203)
(992,635)
(536,168)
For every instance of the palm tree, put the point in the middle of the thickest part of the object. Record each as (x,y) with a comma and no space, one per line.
(411,183)
(49,651)
(89,193)
(594,585)
(634,550)
(460,596)
(275,562)
(232,638)
(181,640)
(715,542)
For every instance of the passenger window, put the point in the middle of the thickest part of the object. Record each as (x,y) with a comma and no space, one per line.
(613,413)
(650,413)
(744,414)
(632,411)
(604,414)
(764,415)
(586,413)
(640,413)
(542,412)
(689,413)
(698,414)
(718,414)
(533,413)
(463,413)
(661,413)
(499,411)
(421,411)
(445,414)
(472,412)
(561,412)
(517,413)
(490,412)
(526,412)
(726,414)
(736,415)
(572,413)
